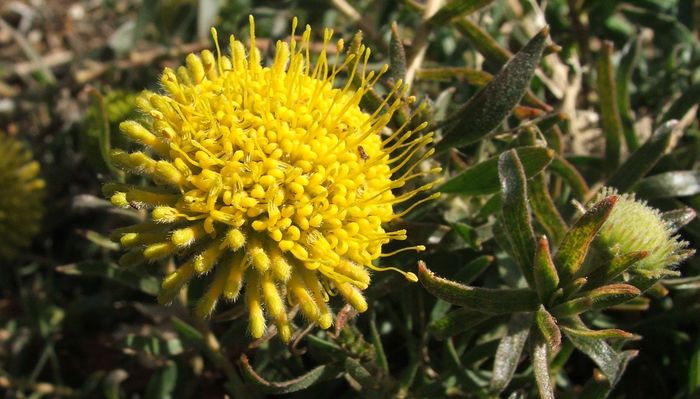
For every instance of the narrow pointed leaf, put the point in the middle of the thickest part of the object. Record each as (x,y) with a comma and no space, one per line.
(457,322)
(610,362)
(548,327)
(540,366)
(162,382)
(381,360)
(621,263)
(186,331)
(360,374)
(550,121)
(466,377)
(574,246)
(689,98)
(492,104)
(488,300)
(456,8)
(509,350)
(474,77)
(397,55)
(611,295)
(670,184)
(574,286)
(109,271)
(473,269)
(545,273)
(544,209)
(317,374)
(484,43)
(678,218)
(468,234)
(570,175)
(610,113)
(516,213)
(694,370)
(628,61)
(643,160)
(572,307)
(611,333)
(482,178)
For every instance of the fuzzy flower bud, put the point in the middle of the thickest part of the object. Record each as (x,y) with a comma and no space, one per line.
(635,226)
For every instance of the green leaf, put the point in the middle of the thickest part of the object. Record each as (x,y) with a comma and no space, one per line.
(610,333)
(455,9)
(610,362)
(548,327)
(186,331)
(380,356)
(571,176)
(488,300)
(694,371)
(457,322)
(620,263)
(540,366)
(572,307)
(152,344)
(473,269)
(599,298)
(472,76)
(318,374)
(484,43)
(100,240)
(490,106)
(163,381)
(516,213)
(670,184)
(678,218)
(643,160)
(612,124)
(509,351)
(466,377)
(544,271)
(468,234)
(360,374)
(611,295)
(111,385)
(574,246)
(110,271)
(482,178)
(544,209)
(659,22)
(104,134)
(628,61)
(397,55)
(687,100)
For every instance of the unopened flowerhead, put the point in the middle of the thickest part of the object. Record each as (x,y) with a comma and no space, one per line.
(271,179)
(634,226)
(21,201)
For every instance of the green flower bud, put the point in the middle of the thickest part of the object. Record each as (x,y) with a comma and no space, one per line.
(634,226)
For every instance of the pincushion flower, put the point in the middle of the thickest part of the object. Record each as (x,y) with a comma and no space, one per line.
(633,226)
(21,202)
(272,179)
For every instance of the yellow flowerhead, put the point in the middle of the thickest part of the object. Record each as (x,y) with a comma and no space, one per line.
(21,202)
(271,178)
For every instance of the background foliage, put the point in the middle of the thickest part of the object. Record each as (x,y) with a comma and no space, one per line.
(74,324)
